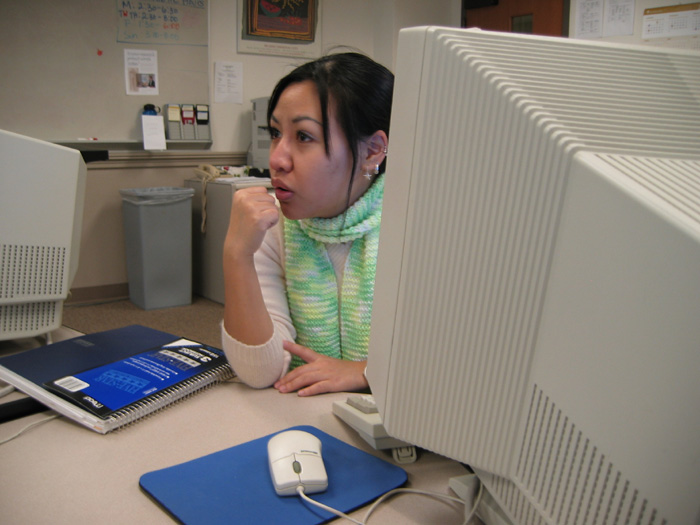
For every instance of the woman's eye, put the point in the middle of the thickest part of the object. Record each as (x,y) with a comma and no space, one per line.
(303,136)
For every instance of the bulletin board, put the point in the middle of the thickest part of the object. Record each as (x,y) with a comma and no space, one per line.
(663,23)
(63,64)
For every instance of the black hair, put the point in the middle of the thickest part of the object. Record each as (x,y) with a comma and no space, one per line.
(360,88)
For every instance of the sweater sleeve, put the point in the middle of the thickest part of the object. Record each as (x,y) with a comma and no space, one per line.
(260,366)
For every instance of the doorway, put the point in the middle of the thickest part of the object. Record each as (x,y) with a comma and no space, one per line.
(537,17)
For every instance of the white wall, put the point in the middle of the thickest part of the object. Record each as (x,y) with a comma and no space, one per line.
(370,26)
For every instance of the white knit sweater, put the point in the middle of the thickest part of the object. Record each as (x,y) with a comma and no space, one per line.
(261,365)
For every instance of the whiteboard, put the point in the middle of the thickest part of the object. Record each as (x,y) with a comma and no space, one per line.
(62,64)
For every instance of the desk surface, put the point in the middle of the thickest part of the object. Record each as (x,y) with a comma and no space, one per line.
(64,473)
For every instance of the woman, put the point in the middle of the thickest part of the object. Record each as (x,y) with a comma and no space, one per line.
(309,276)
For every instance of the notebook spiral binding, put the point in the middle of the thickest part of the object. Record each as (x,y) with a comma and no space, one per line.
(168,397)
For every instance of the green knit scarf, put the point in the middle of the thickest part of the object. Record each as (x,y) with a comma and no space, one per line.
(312,289)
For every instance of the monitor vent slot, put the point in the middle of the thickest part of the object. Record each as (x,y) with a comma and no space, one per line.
(567,477)
(512,500)
(674,182)
(609,114)
(17,320)
(32,272)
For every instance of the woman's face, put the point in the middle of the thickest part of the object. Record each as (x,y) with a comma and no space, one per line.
(308,183)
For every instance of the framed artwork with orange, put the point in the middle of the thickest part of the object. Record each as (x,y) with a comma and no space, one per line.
(287,27)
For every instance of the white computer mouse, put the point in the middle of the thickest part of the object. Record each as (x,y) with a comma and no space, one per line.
(296,461)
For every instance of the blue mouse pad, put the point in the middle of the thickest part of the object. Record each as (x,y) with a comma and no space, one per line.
(234,485)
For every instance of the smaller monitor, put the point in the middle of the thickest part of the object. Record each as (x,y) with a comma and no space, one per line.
(42,188)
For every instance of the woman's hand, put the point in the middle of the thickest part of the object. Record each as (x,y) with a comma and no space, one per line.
(321,373)
(253,212)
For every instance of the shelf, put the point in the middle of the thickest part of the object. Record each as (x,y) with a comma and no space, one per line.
(130,145)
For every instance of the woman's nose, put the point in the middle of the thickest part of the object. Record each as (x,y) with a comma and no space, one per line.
(280,158)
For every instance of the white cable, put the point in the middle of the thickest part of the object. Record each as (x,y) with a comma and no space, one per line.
(6,390)
(28,427)
(391,493)
(300,491)
(475,505)
(380,500)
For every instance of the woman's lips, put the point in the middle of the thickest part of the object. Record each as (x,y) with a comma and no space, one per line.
(282,193)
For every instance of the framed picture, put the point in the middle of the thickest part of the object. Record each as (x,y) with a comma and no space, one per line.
(280,27)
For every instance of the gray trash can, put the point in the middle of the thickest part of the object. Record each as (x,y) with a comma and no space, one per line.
(158,235)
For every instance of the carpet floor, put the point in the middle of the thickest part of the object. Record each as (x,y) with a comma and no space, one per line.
(199,321)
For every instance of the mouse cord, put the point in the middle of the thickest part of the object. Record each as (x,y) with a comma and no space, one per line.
(468,517)
(300,491)
(391,493)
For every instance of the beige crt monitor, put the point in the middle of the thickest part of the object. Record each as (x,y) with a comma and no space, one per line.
(537,301)
(42,188)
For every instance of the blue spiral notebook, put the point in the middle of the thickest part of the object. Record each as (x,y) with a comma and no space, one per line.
(234,485)
(109,379)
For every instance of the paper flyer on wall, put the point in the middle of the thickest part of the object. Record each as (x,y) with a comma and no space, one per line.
(141,71)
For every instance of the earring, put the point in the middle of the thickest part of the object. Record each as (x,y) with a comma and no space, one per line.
(367,174)
(376,169)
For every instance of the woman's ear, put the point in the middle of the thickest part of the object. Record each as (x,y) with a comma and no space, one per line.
(376,149)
